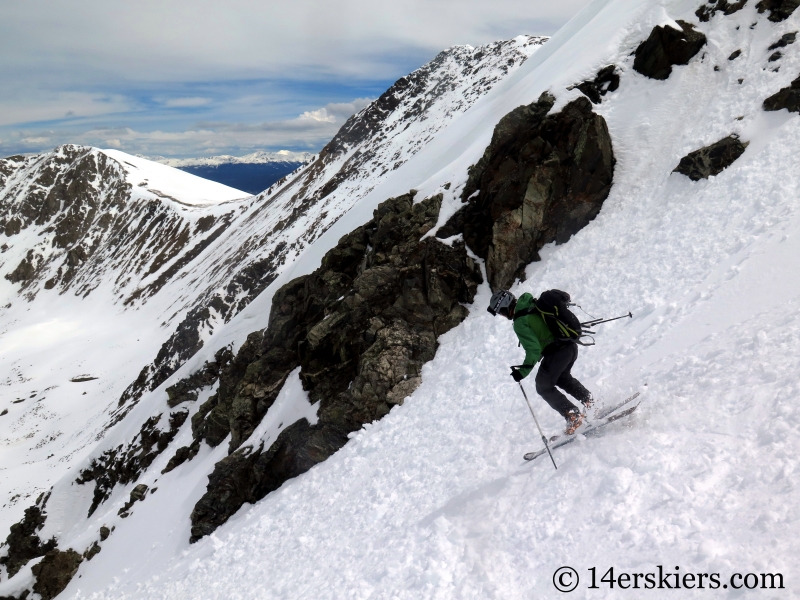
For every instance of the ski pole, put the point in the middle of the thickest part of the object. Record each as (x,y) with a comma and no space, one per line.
(600,321)
(535,420)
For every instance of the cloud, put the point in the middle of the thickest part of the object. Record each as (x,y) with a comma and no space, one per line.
(22,105)
(308,131)
(287,69)
(186,102)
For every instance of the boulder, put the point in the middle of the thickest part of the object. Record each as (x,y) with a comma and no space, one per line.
(606,80)
(779,10)
(55,571)
(667,47)
(707,11)
(711,160)
(788,98)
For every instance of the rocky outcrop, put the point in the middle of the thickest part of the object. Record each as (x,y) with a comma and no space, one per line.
(137,495)
(707,11)
(55,571)
(542,178)
(23,539)
(360,327)
(779,10)
(186,389)
(123,465)
(788,98)
(711,160)
(606,80)
(667,47)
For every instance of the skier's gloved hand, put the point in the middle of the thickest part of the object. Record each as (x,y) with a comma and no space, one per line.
(516,375)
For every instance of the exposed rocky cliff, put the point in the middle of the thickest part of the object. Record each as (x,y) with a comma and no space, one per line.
(542,178)
(360,328)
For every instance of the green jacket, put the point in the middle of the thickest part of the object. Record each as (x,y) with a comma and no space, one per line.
(532,332)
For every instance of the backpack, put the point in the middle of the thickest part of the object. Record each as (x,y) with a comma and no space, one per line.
(552,305)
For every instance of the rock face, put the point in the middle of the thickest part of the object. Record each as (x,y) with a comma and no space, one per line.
(541,179)
(23,540)
(711,160)
(779,10)
(125,464)
(360,327)
(707,11)
(666,47)
(55,571)
(788,98)
(607,80)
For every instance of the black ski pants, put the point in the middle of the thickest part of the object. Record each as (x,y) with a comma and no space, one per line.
(555,371)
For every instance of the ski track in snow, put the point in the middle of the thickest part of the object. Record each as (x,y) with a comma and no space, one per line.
(435,501)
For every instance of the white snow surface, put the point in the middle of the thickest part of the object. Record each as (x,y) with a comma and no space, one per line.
(434,500)
(160,181)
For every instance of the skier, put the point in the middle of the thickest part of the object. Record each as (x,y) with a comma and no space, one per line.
(538,341)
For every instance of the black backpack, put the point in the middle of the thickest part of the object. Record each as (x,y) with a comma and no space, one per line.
(552,305)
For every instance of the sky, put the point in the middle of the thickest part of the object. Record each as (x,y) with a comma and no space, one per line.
(186,78)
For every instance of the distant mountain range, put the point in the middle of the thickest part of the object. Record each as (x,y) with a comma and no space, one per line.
(252,173)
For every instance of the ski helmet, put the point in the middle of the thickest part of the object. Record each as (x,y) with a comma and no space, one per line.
(501,302)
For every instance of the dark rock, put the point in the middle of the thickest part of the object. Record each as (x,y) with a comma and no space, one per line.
(788,98)
(774,56)
(360,327)
(779,10)
(22,596)
(182,454)
(735,54)
(707,11)
(541,179)
(23,540)
(186,389)
(5,412)
(786,39)
(666,47)
(55,571)
(26,270)
(104,533)
(125,464)
(607,80)
(712,159)
(92,551)
(137,495)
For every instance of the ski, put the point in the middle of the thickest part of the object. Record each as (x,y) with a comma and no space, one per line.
(602,413)
(594,425)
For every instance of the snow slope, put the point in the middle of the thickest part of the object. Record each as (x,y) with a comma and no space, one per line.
(164,181)
(160,262)
(434,500)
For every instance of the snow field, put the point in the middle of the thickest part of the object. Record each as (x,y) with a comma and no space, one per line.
(434,501)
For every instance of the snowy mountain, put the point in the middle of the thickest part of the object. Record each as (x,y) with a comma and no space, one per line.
(118,270)
(349,429)
(255,158)
(252,173)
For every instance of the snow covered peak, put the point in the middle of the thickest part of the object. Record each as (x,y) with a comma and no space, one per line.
(259,157)
(163,181)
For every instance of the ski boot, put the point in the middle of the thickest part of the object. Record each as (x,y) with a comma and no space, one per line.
(588,402)
(574,420)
